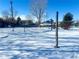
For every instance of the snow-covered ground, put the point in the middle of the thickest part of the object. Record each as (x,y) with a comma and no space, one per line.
(38,43)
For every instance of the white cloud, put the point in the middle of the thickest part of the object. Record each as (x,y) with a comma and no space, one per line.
(0,15)
(34,19)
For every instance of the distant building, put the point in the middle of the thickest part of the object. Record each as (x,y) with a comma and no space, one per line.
(47,24)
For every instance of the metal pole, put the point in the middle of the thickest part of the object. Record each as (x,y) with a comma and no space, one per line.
(24,27)
(51,24)
(57,30)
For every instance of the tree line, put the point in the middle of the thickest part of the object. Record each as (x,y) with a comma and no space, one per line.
(66,23)
(9,22)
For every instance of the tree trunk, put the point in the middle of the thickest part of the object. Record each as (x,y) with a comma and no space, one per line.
(39,22)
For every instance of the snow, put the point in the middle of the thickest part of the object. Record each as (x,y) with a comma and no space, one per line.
(38,43)
(2,35)
(4,57)
(42,58)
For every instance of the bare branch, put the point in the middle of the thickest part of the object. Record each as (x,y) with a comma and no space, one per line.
(38,8)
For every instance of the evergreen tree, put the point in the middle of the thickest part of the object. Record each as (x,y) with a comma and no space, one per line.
(67,21)
(18,21)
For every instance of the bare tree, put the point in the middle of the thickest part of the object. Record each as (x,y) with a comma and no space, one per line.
(38,8)
(12,13)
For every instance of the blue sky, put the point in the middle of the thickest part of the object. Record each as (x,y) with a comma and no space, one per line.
(63,6)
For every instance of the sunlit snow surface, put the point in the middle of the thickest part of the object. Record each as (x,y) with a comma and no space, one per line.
(38,43)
